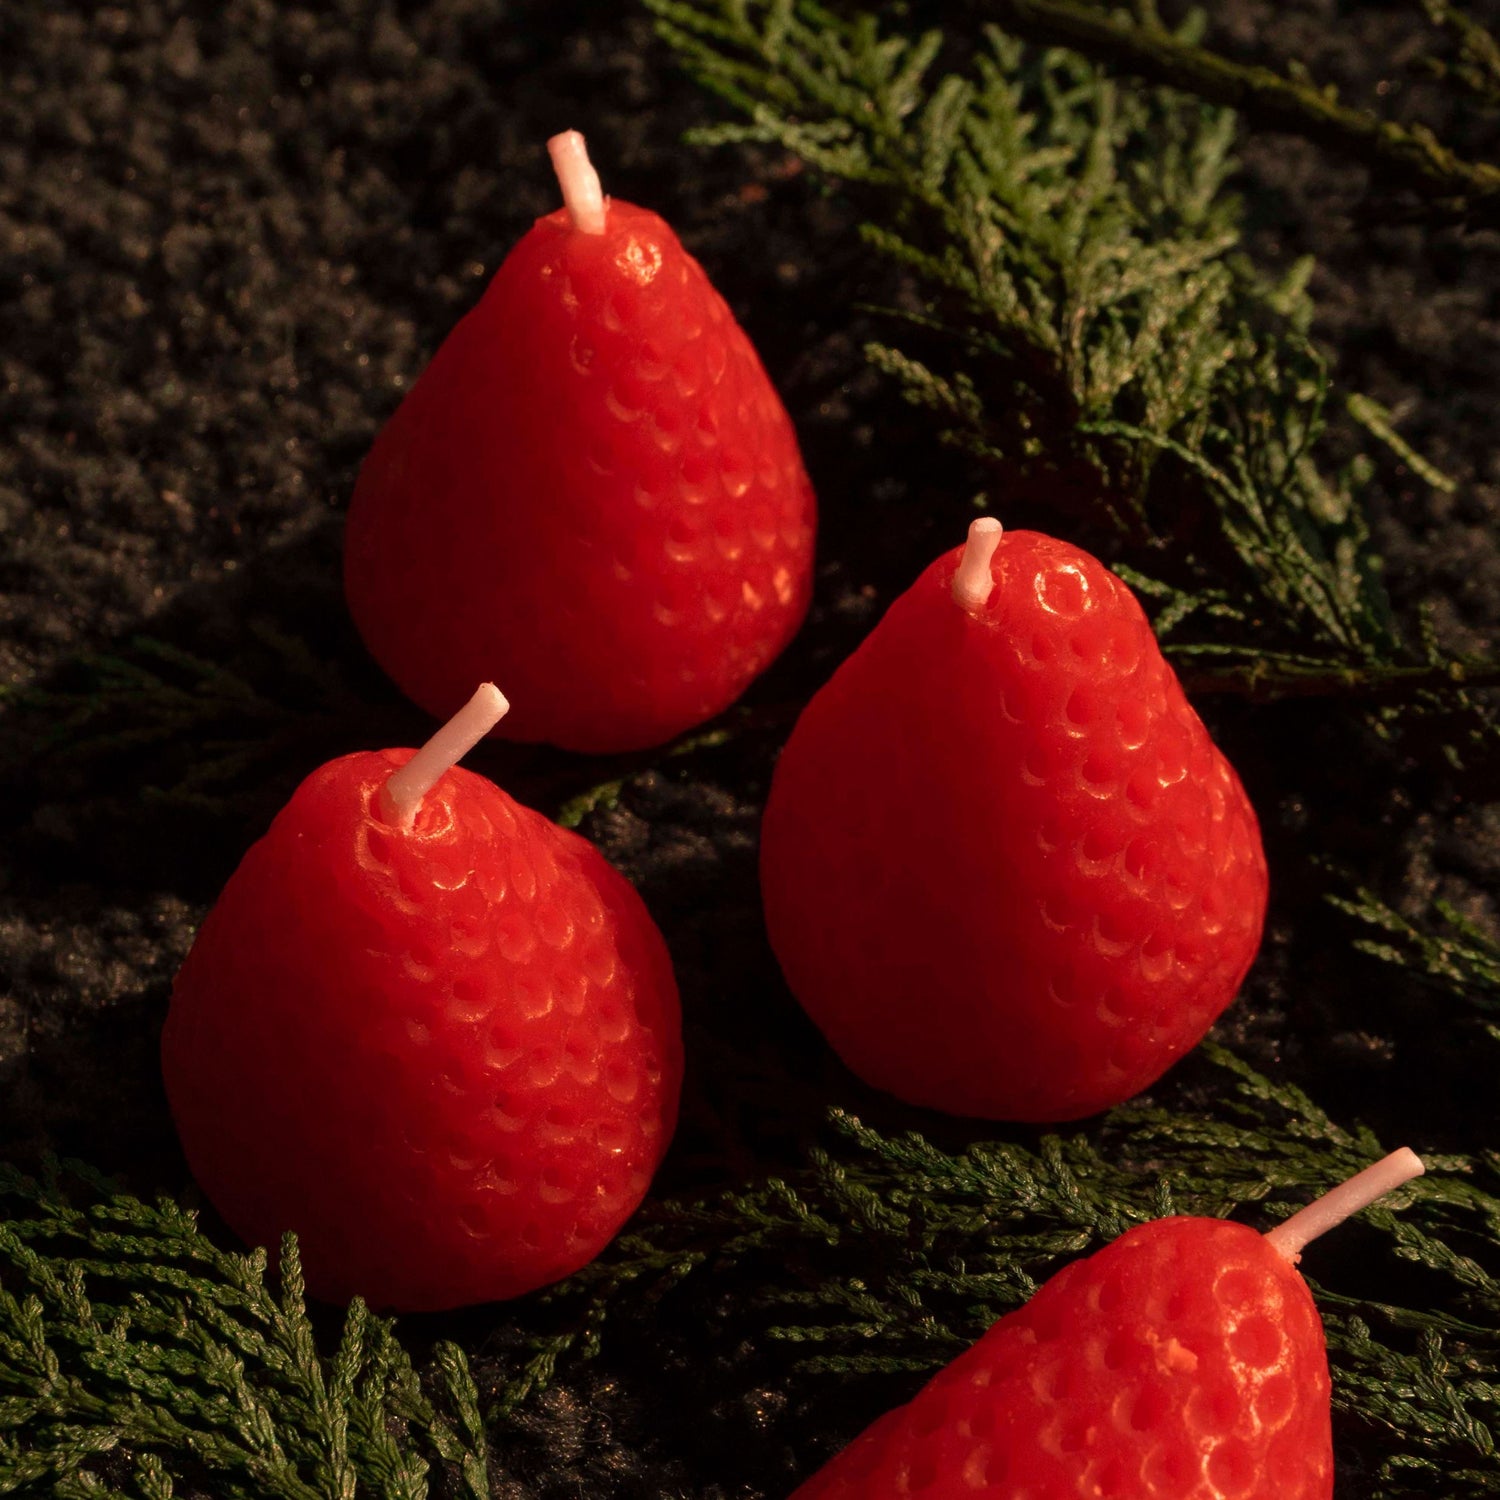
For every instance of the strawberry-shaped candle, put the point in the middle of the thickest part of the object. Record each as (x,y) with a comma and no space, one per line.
(428,1030)
(592,494)
(1004,867)
(1184,1361)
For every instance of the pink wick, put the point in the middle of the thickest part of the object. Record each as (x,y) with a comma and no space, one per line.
(402,794)
(1289,1237)
(578,180)
(974,581)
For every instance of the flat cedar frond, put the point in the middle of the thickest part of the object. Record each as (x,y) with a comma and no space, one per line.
(1089,313)
(1091,333)
(1445,947)
(1476,68)
(150,697)
(124,1329)
(1448,186)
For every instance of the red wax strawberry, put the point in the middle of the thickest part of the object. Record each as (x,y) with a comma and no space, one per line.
(1184,1361)
(592,494)
(1004,867)
(428,1030)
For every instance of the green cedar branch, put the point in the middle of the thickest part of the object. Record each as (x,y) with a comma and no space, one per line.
(1091,333)
(1269,677)
(1478,66)
(123,1329)
(1411,157)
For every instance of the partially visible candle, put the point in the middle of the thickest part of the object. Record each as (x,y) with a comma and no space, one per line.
(1185,1358)
(428,1030)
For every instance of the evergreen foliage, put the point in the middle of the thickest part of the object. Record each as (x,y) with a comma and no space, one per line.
(154,697)
(1446,947)
(1096,332)
(134,1353)
(1087,326)
(1447,184)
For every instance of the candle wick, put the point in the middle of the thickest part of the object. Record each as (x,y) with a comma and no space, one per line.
(578,180)
(402,794)
(974,581)
(1289,1237)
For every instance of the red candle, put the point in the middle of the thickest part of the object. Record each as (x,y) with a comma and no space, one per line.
(1185,1361)
(592,494)
(1004,867)
(428,1030)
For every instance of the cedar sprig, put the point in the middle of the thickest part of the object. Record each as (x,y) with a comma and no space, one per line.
(1476,67)
(1445,184)
(1443,946)
(128,1339)
(150,697)
(1091,332)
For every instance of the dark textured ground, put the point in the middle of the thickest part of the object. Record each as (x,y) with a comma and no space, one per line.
(229,238)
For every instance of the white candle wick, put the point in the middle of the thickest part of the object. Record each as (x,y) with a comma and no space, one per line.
(402,794)
(974,581)
(1361,1190)
(578,180)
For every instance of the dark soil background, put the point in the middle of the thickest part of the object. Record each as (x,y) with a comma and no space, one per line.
(230,236)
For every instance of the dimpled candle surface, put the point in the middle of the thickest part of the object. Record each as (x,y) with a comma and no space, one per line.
(1184,1361)
(593,494)
(449,1059)
(1004,867)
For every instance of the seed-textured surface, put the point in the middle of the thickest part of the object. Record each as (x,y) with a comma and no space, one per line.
(1184,1361)
(1005,869)
(449,1059)
(593,495)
